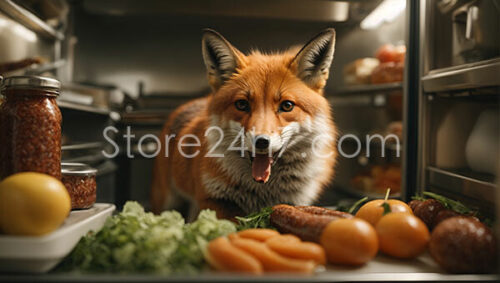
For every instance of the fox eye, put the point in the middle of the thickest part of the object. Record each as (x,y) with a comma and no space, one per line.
(242,105)
(286,106)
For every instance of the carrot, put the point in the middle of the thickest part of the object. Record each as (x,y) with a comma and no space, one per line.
(291,246)
(258,234)
(222,255)
(272,261)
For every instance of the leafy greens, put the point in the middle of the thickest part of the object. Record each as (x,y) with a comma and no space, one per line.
(139,241)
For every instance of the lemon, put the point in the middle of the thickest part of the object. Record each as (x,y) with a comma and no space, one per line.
(32,204)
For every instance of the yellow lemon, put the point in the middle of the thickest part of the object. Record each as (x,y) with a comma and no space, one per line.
(32,204)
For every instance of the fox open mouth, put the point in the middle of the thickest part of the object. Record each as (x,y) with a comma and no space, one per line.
(261,166)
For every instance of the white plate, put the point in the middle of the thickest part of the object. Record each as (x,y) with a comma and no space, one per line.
(40,254)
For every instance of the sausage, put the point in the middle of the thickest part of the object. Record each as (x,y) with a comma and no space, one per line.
(301,222)
(316,210)
(414,204)
(463,245)
(428,210)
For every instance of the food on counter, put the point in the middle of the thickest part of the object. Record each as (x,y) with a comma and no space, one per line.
(271,260)
(438,208)
(258,234)
(80,181)
(136,241)
(444,214)
(16,65)
(378,179)
(402,235)
(427,211)
(391,53)
(31,126)
(373,211)
(32,204)
(224,256)
(301,222)
(388,72)
(259,219)
(360,71)
(258,250)
(463,245)
(291,246)
(351,241)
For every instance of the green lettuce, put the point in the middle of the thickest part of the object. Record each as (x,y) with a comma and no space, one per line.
(139,241)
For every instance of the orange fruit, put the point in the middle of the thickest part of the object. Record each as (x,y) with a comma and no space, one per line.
(372,211)
(32,204)
(350,241)
(402,235)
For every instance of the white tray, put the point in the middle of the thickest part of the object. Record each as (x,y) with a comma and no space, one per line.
(40,254)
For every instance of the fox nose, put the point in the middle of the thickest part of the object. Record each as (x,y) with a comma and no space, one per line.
(262,142)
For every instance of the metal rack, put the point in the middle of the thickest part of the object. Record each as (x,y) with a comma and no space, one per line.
(441,88)
(474,75)
(29,20)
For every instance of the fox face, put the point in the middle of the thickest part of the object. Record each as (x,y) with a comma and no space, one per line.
(275,125)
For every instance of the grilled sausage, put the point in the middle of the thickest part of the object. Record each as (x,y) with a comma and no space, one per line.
(428,210)
(463,245)
(307,222)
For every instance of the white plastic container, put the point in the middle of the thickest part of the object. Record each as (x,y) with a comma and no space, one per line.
(40,254)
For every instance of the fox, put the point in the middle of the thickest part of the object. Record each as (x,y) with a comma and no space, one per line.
(265,135)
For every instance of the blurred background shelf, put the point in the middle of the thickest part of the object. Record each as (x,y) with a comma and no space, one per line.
(365,89)
(463,182)
(85,108)
(467,76)
(29,20)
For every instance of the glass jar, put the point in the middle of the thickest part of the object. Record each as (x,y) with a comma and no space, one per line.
(30,126)
(80,181)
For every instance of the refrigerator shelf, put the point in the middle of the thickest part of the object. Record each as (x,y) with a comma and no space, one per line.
(366,89)
(381,269)
(467,76)
(29,20)
(463,182)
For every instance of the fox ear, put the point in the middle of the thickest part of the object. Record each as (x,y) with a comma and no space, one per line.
(221,58)
(313,61)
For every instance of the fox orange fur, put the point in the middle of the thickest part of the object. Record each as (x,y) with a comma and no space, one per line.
(265,135)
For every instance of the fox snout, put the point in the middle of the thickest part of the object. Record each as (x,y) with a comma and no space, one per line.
(262,142)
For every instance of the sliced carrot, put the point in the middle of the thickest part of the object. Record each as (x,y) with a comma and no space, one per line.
(272,261)
(258,234)
(222,255)
(291,246)
(233,236)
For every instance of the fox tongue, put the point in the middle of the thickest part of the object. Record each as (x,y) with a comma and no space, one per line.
(261,167)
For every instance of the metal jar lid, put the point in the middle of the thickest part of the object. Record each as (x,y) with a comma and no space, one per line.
(77,169)
(31,82)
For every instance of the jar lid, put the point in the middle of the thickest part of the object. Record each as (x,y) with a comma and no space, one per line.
(78,169)
(31,81)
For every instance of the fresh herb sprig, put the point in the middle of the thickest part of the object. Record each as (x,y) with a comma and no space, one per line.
(259,219)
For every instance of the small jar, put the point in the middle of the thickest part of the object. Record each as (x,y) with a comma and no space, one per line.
(30,126)
(79,180)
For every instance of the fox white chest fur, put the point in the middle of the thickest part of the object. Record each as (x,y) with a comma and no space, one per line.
(267,134)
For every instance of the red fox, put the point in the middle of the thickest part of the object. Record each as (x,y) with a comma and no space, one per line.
(264,136)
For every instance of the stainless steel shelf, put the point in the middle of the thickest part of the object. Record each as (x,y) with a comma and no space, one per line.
(83,108)
(364,89)
(29,20)
(468,76)
(463,182)
(82,146)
